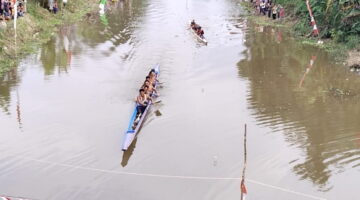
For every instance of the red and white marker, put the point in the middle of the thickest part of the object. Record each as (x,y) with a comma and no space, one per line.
(315,31)
(243,190)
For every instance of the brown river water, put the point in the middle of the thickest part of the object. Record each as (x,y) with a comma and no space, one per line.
(64,110)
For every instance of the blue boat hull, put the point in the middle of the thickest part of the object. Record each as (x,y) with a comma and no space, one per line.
(132,130)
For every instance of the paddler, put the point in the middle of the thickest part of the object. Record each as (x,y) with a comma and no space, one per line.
(196,27)
(141,101)
(193,24)
(148,79)
(148,92)
(200,32)
(152,75)
(151,90)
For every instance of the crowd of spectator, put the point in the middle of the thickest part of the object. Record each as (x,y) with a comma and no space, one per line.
(8,9)
(269,8)
(53,6)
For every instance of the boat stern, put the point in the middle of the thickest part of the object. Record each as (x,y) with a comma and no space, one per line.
(129,137)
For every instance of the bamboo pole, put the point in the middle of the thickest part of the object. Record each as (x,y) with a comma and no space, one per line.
(242,184)
(315,31)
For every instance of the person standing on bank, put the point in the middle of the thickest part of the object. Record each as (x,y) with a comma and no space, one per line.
(56,7)
(274,12)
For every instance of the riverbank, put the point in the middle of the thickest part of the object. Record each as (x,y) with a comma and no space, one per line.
(36,28)
(345,53)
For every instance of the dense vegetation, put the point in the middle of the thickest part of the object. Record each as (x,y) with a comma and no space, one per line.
(336,19)
(44,3)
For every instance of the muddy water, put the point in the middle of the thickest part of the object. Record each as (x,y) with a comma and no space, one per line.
(64,111)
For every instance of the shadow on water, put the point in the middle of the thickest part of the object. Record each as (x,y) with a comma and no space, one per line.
(127,154)
(148,119)
(296,90)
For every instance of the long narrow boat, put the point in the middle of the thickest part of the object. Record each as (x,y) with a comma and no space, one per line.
(137,120)
(200,38)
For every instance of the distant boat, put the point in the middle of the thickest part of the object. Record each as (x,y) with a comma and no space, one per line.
(137,120)
(200,38)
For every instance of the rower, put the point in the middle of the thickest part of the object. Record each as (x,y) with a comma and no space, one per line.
(199,30)
(201,34)
(150,93)
(150,87)
(141,101)
(149,79)
(146,90)
(196,27)
(192,24)
(152,75)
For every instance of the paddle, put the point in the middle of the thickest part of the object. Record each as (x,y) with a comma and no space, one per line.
(157,112)
(156,102)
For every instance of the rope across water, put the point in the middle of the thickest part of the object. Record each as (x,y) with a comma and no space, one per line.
(171,176)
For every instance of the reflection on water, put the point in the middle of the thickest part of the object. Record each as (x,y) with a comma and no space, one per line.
(103,19)
(116,24)
(324,124)
(57,54)
(52,56)
(7,83)
(307,71)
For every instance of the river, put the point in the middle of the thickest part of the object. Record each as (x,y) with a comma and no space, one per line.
(64,110)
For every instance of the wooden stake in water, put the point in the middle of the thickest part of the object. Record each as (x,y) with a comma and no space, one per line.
(242,184)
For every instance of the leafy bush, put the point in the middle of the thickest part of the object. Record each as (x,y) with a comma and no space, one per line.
(353,41)
(336,19)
